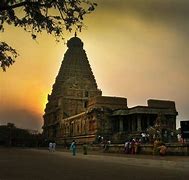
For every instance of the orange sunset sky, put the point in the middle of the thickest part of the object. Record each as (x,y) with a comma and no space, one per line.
(137,49)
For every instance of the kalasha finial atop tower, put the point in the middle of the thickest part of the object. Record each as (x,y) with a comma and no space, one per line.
(75,42)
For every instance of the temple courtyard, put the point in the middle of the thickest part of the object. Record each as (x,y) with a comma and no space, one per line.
(40,164)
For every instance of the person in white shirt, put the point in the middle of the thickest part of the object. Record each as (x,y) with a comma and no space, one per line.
(53,146)
(50,146)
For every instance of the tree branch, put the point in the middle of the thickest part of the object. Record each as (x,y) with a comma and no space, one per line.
(8,7)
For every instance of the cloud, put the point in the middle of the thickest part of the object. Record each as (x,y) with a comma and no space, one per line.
(172,13)
(22,118)
(158,8)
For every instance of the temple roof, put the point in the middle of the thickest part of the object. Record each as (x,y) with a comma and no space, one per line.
(144,110)
(75,42)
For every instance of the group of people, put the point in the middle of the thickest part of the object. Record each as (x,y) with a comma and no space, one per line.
(73,148)
(132,146)
(52,146)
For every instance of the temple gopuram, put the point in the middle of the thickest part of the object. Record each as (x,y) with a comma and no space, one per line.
(77,110)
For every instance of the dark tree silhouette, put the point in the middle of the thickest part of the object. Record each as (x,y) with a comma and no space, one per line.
(35,16)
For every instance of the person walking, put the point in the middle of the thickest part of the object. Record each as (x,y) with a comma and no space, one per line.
(73,147)
(157,143)
(54,146)
(137,144)
(50,146)
(85,149)
(126,147)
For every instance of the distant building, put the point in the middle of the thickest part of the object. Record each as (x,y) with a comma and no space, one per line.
(77,110)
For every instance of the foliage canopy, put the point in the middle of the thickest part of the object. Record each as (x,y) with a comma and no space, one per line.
(35,16)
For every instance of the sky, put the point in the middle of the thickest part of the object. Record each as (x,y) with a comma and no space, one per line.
(137,49)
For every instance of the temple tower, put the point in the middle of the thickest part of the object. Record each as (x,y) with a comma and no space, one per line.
(74,85)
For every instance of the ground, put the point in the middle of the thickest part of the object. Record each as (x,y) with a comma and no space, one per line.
(40,164)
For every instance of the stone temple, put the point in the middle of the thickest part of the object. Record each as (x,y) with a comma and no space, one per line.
(77,110)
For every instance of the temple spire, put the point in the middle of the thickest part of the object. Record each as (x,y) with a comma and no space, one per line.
(75,82)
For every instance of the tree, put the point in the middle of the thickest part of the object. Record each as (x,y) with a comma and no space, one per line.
(35,16)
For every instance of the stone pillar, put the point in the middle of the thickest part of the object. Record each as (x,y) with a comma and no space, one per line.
(120,124)
(139,123)
(133,122)
(148,121)
(128,124)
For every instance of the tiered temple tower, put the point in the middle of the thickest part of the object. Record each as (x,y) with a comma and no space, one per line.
(74,85)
